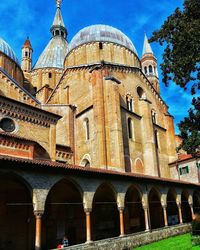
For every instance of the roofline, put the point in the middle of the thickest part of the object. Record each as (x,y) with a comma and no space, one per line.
(183,160)
(19,86)
(51,164)
(104,63)
(17,62)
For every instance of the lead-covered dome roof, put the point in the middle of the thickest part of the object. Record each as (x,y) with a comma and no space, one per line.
(101,33)
(53,55)
(7,50)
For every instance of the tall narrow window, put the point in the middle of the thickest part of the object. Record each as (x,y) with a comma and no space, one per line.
(150,69)
(50,75)
(130,129)
(129,102)
(100,45)
(156,138)
(87,129)
(145,70)
(153,116)
(131,105)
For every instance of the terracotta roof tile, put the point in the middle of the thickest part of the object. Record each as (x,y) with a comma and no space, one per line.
(51,164)
(27,44)
(183,157)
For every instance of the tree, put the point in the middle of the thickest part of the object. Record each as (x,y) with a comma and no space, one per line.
(190,129)
(181,35)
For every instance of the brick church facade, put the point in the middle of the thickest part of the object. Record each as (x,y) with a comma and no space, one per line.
(85,142)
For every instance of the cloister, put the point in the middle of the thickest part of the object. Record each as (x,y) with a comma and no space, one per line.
(38,207)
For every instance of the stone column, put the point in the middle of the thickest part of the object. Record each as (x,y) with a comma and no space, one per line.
(146,218)
(88,225)
(192,210)
(180,213)
(121,219)
(165,215)
(38,229)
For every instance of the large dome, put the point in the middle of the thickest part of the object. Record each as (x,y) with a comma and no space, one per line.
(101,33)
(7,50)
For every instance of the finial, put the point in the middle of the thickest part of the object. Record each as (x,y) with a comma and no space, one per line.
(58,3)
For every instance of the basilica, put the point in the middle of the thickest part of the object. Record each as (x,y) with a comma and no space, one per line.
(86,142)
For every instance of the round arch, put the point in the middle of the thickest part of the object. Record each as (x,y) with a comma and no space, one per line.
(155,208)
(172,208)
(16,209)
(64,214)
(196,202)
(134,213)
(105,215)
(185,207)
(140,92)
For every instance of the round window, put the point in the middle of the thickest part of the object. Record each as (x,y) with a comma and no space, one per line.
(7,124)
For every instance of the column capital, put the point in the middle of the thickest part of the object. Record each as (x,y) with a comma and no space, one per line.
(145,207)
(38,213)
(121,209)
(164,206)
(87,210)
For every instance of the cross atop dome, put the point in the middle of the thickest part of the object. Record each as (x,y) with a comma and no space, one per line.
(58,3)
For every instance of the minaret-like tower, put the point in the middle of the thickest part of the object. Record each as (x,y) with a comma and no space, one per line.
(27,51)
(149,65)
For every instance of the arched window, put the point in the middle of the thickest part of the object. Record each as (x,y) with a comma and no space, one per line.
(50,75)
(150,69)
(141,93)
(87,129)
(145,70)
(130,128)
(26,53)
(86,161)
(57,32)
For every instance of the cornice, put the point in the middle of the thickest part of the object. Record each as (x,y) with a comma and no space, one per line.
(27,113)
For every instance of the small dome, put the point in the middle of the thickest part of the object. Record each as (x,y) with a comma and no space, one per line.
(53,55)
(6,49)
(101,33)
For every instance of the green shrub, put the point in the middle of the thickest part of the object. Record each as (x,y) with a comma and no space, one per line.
(196,225)
(196,240)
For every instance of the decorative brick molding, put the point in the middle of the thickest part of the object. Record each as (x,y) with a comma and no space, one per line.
(21,111)
(63,154)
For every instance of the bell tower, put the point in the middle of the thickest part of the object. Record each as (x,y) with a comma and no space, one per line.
(149,65)
(27,51)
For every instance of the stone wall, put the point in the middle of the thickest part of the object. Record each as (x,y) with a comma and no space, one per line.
(134,240)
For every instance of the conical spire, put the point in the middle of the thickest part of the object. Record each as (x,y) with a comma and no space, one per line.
(146,47)
(27,44)
(58,26)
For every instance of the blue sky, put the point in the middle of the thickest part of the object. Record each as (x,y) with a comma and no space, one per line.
(23,18)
